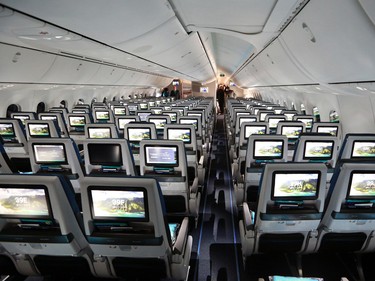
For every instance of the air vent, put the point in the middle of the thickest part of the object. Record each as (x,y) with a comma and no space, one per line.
(71,55)
(92,59)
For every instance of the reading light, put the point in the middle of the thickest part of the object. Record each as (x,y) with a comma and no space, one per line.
(16,57)
(309,32)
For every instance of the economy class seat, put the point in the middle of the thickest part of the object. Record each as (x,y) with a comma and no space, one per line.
(125,224)
(349,217)
(261,149)
(42,226)
(165,160)
(288,212)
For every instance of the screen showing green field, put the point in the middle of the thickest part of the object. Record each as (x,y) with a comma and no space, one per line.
(362,185)
(179,134)
(291,132)
(254,130)
(7,130)
(296,185)
(118,204)
(99,133)
(23,202)
(329,130)
(138,134)
(39,130)
(268,149)
(363,149)
(318,150)
(308,122)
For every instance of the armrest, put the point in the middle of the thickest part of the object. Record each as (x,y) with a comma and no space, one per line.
(248,220)
(201,160)
(194,186)
(181,238)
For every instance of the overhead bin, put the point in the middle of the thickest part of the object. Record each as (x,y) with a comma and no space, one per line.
(279,67)
(333,40)
(157,40)
(67,70)
(23,65)
(107,75)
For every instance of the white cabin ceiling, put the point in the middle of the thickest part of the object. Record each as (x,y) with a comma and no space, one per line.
(242,16)
(177,38)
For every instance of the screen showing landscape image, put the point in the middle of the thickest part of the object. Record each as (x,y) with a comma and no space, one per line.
(295,185)
(6,129)
(23,202)
(308,122)
(362,185)
(119,111)
(77,121)
(363,149)
(247,119)
(291,132)
(159,123)
(102,115)
(268,149)
(123,121)
(135,134)
(274,121)
(39,130)
(190,122)
(329,130)
(118,204)
(314,149)
(254,130)
(99,133)
(179,134)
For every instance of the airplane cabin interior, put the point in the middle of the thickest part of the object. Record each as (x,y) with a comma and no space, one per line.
(201,140)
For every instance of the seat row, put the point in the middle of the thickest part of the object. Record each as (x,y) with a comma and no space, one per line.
(122,231)
(295,214)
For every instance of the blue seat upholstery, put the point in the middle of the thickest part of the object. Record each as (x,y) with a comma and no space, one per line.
(134,240)
(288,212)
(42,227)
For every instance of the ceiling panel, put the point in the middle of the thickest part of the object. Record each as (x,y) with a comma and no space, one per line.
(108,21)
(243,16)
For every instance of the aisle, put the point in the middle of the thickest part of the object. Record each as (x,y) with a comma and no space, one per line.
(217,246)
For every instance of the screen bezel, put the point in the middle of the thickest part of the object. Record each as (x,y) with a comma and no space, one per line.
(291,126)
(118,219)
(358,197)
(254,126)
(190,121)
(49,117)
(361,157)
(137,128)
(306,118)
(119,108)
(177,129)
(36,217)
(74,125)
(29,125)
(91,129)
(318,158)
(335,127)
(92,149)
(164,121)
(131,119)
(8,136)
(65,162)
(295,198)
(161,164)
(268,157)
(102,111)
(275,118)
